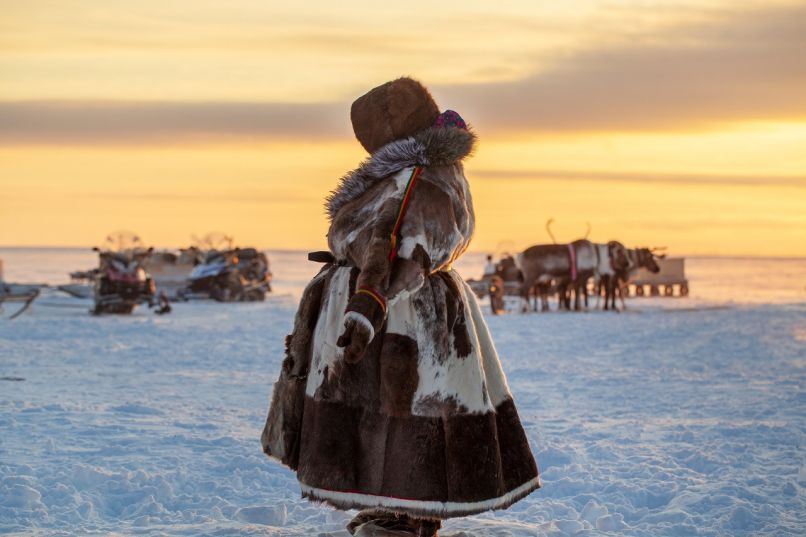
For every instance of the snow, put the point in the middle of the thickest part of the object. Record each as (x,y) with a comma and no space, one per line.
(677,417)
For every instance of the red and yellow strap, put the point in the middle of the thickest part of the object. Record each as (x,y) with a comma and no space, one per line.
(375,294)
(401,210)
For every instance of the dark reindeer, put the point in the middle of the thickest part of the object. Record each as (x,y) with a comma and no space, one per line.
(558,263)
(568,266)
(540,265)
(507,271)
(634,259)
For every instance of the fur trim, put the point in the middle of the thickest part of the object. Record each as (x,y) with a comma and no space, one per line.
(361,320)
(432,509)
(430,147)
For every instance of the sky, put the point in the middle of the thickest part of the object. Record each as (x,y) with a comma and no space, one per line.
(657,123)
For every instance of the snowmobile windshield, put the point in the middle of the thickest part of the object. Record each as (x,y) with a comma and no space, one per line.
(212,256)
(247,253)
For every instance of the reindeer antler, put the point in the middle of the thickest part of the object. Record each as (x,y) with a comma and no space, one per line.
(548,228)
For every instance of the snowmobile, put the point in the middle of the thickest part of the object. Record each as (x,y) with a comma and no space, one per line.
(239,274)
(121,282)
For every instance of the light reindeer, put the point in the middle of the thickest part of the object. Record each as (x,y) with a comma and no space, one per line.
(611,259)
(636,258)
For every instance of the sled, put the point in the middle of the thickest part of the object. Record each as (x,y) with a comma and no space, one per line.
(76,290)
(669,282)
(17,293)
(482,287)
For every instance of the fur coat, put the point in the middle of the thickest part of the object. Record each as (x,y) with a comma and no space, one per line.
(424,424)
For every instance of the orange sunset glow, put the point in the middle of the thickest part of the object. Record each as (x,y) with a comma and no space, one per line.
(678,124)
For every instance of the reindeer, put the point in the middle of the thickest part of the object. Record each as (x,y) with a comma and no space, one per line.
(611,258)
(559,263)
(585,263)
(569,266)
(496,290)
(507,270)
(540,265)
(634,259)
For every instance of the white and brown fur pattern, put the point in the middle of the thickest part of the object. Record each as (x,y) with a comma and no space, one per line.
(424,424)
(609,257)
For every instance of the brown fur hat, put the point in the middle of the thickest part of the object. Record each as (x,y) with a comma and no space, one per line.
(391,111)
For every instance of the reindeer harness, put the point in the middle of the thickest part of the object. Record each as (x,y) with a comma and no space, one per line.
(572,253)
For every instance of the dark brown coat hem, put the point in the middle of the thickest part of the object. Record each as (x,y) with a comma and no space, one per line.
(455,458)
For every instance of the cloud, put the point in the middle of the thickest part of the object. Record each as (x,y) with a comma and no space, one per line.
(237,196)
(798,181)
(738,66)
(99,122)
(698,225)
(742,66)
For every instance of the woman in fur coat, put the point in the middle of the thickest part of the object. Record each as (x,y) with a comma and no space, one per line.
(392,398)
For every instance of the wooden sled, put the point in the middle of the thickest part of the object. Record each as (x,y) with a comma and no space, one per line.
(17,293)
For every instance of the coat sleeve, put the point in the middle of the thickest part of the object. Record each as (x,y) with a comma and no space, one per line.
(428,240)
(369,247)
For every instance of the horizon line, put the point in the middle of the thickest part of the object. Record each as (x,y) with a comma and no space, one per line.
(470,251)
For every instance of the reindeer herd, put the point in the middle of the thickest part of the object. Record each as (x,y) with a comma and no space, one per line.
(567,270)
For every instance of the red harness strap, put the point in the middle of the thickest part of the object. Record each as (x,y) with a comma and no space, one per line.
(573,254)
(401,210)
(375,294)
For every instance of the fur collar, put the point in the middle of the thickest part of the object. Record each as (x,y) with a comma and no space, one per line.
(430,147)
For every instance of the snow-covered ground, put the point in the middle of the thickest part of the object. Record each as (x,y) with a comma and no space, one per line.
(678,417)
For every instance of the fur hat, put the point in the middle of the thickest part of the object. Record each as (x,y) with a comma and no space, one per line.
(392,111)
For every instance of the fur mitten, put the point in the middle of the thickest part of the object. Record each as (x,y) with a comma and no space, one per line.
(366,312)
